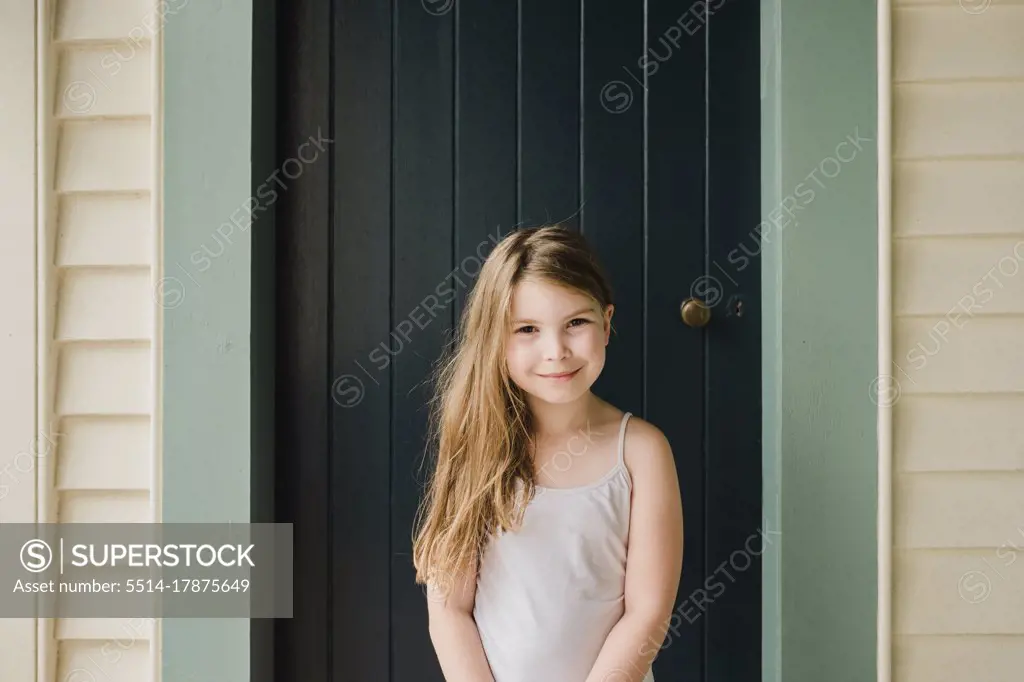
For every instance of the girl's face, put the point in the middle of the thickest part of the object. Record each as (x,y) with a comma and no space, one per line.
(556,345)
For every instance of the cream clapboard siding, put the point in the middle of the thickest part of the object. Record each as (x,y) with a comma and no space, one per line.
(97,313)
(958,279)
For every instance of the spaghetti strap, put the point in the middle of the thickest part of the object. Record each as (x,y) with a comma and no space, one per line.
(622,438)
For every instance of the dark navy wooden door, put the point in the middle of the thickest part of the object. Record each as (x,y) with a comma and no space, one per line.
(450,123)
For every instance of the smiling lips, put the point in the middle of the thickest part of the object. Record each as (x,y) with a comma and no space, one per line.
(564,376)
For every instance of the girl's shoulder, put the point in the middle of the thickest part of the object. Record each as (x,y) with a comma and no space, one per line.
(640,433)
(644,445)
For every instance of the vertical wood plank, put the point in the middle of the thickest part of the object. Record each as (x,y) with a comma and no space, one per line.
(485,145)
(736,536)
(549,124)
(361,247)
(304,399)
(421,262)
(675,63)
(613,185)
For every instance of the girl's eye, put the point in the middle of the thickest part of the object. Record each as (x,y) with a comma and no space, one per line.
(529,328)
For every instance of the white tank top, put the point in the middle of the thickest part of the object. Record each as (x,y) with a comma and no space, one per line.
(548,594)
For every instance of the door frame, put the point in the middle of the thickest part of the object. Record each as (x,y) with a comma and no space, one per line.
(827,92)
(310,285)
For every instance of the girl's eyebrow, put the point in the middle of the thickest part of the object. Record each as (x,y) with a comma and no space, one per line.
(588,309)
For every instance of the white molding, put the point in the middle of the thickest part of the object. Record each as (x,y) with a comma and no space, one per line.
(19,424)
(156,344)
(888,385)
(46,297)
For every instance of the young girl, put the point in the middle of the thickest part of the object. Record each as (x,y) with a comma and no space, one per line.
(551,534)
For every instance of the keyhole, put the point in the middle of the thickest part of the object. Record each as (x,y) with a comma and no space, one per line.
(734,306)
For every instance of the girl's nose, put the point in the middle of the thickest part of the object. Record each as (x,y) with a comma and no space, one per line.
(555,347)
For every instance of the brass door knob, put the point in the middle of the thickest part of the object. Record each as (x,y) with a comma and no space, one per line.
(695,313)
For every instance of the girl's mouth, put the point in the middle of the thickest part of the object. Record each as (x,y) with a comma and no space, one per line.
(564,376)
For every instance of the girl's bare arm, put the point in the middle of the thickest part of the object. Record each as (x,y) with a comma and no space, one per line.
(653,562)
(453,631)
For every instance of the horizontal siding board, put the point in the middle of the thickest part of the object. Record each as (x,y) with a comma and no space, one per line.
(945,42)
(105,506)
(93,81)
(958,433)
(969,510)
(106,660)
(110,19)
(102,453)
(979,592)
(958,658)
(104,155)
(123,630)
(958,119)
(110,303)
(962,197)
(105,229)
(104,379)
(952,353)
(970,276)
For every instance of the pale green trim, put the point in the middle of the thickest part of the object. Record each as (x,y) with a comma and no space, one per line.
(820,342)
(771,359)
(206,363)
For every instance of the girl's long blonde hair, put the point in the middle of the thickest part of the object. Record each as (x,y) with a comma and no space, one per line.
(480,425)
